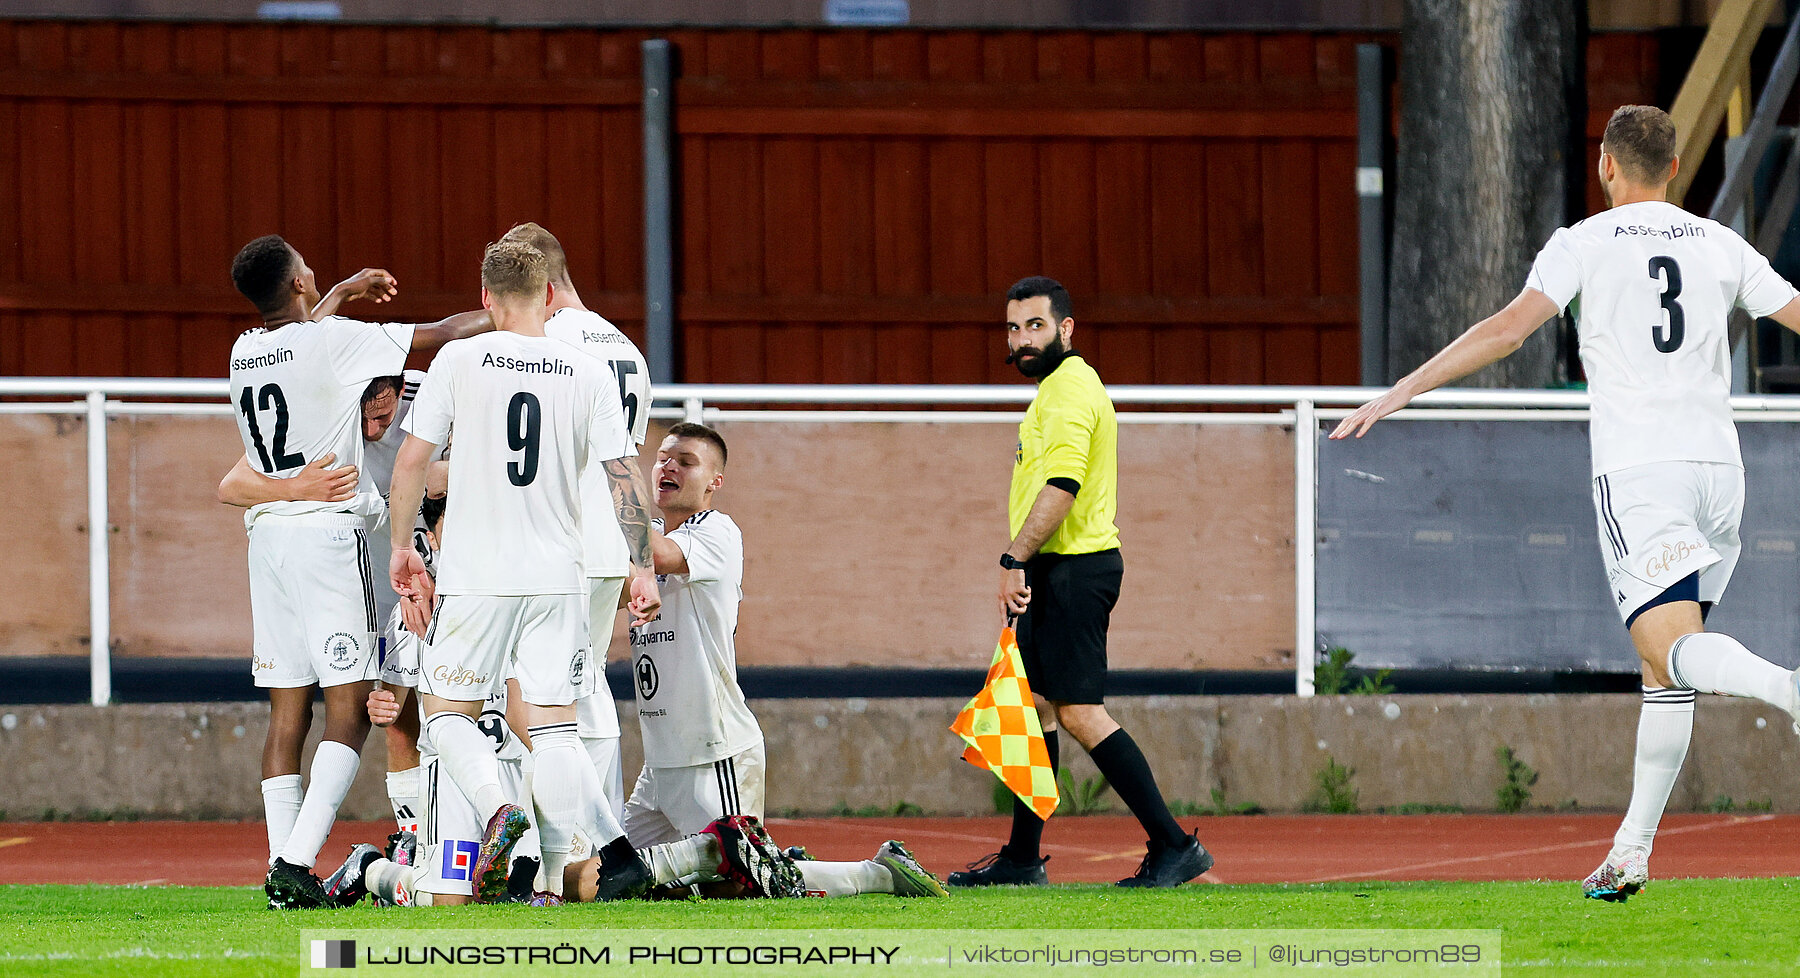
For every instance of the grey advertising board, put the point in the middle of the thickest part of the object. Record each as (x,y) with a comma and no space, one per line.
(1472,545)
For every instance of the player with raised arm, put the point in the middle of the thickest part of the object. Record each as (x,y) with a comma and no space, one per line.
(384,402)
(528,414)
(703,749)
(297,385)
(1652,286)
(605,555)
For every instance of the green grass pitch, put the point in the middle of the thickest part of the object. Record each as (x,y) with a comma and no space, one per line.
(1719,928)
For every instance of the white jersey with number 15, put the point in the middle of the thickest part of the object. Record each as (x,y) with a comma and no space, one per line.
(1651,287)
(607,554)
(529,412)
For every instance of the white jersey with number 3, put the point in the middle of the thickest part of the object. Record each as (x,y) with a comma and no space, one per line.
(528,412)
(1652,286)
(607,554)
(297,393)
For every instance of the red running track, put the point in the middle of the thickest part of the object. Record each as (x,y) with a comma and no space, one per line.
(1250,849)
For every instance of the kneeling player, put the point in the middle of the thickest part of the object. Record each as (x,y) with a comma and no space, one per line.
(703,749)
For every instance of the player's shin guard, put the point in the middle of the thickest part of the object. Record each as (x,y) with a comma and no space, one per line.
(682,862)
(468,757)
(1711,662)
(1665,728)
(281,806)
(557,789)
(597,818)
(846,879)
(333,768)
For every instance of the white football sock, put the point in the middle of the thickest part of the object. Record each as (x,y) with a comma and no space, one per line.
(694,859)
(597,817)
(333,768)
(846,879)
(557,791)
(281,806)
(395,883)
(468,757)
(1711,662)
(403,794)
(609,765)
(1665,726)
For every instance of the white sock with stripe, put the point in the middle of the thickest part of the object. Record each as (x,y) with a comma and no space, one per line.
(1711,662)
(333,768)
(468,757)
(1665,726)
(846,879)
(403,794)
(557,790)
(281,806)
(595,818)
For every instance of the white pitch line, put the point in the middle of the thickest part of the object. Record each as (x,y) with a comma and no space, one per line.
(1538,850)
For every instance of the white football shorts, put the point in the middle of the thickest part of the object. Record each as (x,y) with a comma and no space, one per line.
(477,641)
(451,829)
(1662,521)
(670,803)
(597,716)
(312,601)
(399,653)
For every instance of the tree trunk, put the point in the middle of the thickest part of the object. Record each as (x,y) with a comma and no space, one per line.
(1483,175)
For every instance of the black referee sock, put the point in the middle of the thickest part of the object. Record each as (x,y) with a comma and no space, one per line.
(1125,769)
(1027,828)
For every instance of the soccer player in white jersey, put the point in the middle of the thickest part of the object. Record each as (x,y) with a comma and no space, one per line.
(297,384)
(703,749)
(528,413)
(603,543)
(384,402)
(1652,286)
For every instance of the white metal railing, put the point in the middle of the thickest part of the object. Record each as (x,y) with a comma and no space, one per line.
(1302,407)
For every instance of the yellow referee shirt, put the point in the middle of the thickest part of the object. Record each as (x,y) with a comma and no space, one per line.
(1070,432)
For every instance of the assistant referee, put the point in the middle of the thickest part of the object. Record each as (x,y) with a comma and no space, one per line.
(1061,578)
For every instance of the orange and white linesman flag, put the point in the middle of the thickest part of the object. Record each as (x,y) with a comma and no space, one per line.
(1001,728)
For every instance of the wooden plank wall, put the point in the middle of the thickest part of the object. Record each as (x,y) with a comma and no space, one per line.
(851,203)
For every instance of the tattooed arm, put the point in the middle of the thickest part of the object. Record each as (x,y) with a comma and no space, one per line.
(631,503)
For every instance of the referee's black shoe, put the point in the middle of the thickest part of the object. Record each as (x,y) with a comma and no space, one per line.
(999,869)
(1166,865)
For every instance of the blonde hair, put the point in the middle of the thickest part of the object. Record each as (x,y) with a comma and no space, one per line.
(514,269)
(1642,139)
(534,235)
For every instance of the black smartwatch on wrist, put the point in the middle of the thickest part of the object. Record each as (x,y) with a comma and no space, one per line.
(1008,561)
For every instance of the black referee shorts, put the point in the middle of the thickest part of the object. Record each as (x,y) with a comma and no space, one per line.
(1062,635)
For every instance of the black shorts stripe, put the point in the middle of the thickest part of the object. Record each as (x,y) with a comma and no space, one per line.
(1613,531)
(728,794)
(431,829)
(368,579)
(431,629)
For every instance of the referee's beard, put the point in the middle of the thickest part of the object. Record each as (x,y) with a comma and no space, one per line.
(1036,363)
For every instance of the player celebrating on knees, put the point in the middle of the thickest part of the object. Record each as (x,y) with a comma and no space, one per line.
(297,384)
(703,749)
(1656,285)
(528,414)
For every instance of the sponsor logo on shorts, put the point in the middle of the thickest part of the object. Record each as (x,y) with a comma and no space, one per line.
(459,859)
(343,650)
(258,664)
(459,677)
(1671,556)
(577,667)
(645,672)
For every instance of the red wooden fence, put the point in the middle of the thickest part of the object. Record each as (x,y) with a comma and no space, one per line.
(851,203)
